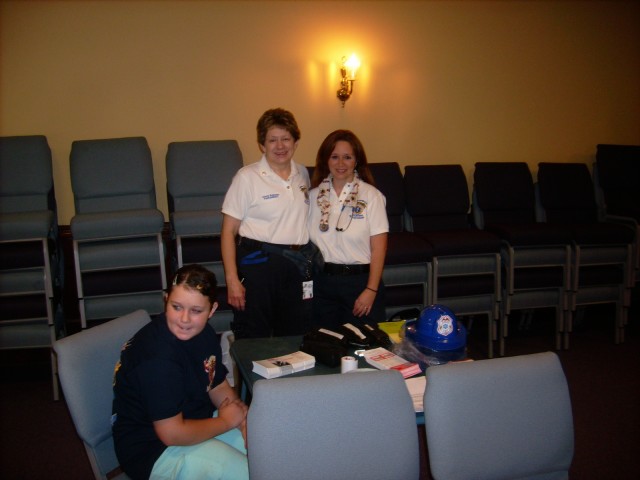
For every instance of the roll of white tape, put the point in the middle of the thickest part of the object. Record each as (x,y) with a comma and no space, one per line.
(347,364)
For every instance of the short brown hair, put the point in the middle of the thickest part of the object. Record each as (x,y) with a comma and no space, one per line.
(277,117)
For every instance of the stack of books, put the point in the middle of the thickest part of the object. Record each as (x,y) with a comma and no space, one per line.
(284,365)
(383,359)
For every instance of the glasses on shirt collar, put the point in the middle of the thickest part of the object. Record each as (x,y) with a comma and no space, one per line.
(344,220)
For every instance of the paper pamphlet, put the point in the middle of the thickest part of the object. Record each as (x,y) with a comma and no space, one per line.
(383,359)
(284,365)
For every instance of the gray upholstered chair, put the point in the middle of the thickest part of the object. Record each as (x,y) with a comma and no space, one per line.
(117,229)
(536,256)
(358,425)
(30,273)
(507,418)
(465,269)
(198,176)
(602,251)
(406,266)
(616,177)
(86,362)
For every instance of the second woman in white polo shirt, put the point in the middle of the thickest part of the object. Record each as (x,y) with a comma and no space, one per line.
(348,222)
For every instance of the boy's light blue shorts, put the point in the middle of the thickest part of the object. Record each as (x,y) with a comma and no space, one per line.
(221,458)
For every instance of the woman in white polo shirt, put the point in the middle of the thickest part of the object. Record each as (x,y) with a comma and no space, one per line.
(264,231)
(348,222)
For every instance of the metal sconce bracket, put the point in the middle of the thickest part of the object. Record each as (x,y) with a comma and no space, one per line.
(346,82)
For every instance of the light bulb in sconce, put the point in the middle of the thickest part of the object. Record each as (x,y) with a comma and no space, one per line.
(348,72)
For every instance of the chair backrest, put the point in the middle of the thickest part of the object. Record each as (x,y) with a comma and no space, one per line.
(26,183)
(358,425)
(500,418)
(112,175)
(199,173)
(618,168)
(566,193)
(388,179)
(437,197)
(86,362)
(503,193)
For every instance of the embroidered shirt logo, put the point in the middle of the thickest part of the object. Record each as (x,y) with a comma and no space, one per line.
(359,209)
(210,368)
(119,363)
(305,190)
(445,325)
(270,196)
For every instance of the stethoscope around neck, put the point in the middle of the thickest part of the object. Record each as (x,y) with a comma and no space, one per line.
(340,226)
(344,223)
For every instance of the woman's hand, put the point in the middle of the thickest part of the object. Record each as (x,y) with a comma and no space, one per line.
(363,303)
(235,289)
(236,294)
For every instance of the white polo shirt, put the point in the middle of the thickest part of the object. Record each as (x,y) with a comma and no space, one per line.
(353,245)
(270,209)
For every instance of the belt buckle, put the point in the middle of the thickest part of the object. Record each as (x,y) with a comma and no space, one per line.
(295,247)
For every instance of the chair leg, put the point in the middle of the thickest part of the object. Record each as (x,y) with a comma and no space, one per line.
(567,328)
(54,376)
(559,328)
(491,333)
(503,334)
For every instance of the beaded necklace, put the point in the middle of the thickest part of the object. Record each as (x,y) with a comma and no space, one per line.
(325,204)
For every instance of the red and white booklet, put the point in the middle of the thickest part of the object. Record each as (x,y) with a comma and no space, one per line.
(383,359)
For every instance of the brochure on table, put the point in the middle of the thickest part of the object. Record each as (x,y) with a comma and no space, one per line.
(384,359)
(284,364)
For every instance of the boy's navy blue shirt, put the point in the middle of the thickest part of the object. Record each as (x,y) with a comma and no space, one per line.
(157,377)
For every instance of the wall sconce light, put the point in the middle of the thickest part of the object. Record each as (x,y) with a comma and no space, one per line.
(348,72)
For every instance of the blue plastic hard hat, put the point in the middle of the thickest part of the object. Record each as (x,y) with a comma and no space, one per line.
(438,330)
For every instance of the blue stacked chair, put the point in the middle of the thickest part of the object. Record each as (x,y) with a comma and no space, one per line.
(465,273)
(117,230)
(30,260)
(198,176)
(406,269)
(601,263)
(535,256)
(616,178)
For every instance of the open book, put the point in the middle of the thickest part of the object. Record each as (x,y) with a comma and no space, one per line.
(383,359)
(284,365)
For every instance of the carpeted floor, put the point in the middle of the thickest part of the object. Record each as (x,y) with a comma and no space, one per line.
(38,440)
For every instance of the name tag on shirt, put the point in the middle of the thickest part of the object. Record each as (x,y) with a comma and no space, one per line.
(307,290)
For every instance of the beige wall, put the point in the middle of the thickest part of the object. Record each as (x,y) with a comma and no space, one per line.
(441,82)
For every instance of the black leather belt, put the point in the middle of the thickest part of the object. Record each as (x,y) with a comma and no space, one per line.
(338,269)
(255,244)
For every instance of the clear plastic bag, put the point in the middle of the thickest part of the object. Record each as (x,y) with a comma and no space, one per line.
(407,350)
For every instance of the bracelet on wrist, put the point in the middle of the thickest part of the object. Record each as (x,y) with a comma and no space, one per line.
(374,291)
